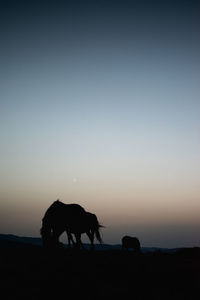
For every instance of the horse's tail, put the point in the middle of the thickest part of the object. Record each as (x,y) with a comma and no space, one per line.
(98,235)
(94,225)
(97,232)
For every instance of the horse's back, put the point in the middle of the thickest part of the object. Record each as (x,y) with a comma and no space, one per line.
(83,223)
(60,212)
(74,208)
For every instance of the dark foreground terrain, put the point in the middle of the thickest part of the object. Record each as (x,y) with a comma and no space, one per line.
(31,273)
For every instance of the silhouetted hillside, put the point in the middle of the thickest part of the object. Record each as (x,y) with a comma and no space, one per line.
(9,240)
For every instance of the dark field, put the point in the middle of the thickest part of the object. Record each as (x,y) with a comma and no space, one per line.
(32,273)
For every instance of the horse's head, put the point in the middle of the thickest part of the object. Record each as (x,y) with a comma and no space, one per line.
(46,234)
(49,241)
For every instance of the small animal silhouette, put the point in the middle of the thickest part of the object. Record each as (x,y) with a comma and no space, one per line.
(131,242)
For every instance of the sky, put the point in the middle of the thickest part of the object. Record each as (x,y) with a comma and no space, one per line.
(99,105)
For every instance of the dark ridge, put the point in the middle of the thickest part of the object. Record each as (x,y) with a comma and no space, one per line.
(10,240)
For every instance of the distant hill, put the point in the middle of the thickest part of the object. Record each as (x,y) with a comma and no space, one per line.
(10,240)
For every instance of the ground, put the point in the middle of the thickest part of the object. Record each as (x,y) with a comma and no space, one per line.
(32,273)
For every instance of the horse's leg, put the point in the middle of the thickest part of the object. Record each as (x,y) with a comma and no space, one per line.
(70,239)
(81,244)
(90,234)
(78,240)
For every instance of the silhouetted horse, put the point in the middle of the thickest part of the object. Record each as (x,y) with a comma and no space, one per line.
(87,223)
(71,218)
(131,242)
(57,217)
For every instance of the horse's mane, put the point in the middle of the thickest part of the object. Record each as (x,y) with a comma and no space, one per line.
(52,207)
(55,204)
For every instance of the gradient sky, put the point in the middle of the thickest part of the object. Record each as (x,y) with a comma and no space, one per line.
(100,106)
